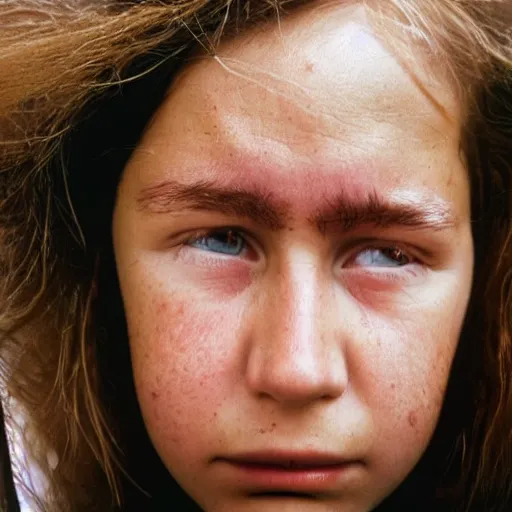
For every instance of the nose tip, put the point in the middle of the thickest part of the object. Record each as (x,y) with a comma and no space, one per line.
(296,382)
(295,357)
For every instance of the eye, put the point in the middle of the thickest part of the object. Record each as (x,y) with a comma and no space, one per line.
(223,241)
(381,257)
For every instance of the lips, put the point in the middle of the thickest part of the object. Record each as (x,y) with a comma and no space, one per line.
(291,464)
(302,472)
(288,460)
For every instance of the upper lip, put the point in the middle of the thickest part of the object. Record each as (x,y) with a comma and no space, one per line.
(288,459)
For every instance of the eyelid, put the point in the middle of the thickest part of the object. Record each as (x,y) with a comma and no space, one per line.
(252,245)
(352,250)
(203,233)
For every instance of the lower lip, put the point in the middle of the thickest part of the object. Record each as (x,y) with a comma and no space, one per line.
(307,480)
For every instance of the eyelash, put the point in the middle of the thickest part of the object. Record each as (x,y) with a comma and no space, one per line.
(355,250)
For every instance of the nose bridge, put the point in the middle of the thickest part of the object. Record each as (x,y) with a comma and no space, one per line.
(294,355)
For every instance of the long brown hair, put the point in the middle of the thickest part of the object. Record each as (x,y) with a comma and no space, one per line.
(78,83)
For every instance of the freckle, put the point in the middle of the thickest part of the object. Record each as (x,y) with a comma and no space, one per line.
(393,385)
(262,431)
(413,420)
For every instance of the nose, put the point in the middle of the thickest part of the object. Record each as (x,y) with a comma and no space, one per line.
(295,352)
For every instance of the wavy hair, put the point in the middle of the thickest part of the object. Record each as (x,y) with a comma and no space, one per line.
(79,80)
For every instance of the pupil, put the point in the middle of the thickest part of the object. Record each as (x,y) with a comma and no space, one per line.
(396,255)
(226,242)
(228,238)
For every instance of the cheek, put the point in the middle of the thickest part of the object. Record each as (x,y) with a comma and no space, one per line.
(181,363)
(405,386)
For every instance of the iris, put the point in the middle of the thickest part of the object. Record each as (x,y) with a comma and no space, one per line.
(226,241)
(382,257)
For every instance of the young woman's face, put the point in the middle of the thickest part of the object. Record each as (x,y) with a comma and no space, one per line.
(295,256)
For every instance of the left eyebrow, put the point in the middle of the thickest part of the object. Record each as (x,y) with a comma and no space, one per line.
(342,213)
(414,212)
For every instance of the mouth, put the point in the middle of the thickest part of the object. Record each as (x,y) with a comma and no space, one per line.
(288,460)
(287,465)
(299,474)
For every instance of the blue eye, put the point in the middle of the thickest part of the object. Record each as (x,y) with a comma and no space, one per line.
(225,241)
(385,257)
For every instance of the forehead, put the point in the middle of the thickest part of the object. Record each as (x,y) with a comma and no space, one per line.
(319,95)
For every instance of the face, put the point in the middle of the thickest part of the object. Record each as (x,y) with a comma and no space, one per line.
(294,252)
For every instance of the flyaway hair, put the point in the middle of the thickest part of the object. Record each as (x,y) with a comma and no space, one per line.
(79,80)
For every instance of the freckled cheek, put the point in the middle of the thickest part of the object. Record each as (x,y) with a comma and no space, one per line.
(183,360)
(405,385)
(386,296)
(221,278)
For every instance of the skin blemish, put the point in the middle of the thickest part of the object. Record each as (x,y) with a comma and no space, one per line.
(264,430)
(413,419)
(162,307)
(154,395)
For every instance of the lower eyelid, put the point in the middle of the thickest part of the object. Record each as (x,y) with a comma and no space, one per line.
(390,274)
(211,260)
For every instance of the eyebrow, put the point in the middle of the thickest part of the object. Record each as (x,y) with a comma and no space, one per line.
(261,207)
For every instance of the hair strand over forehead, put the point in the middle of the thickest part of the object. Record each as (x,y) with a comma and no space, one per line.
(63,63)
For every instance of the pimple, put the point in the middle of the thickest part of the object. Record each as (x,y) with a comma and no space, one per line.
(413,419)
(162,307)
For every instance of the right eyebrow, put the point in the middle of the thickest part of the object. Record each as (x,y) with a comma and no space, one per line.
(168,196)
